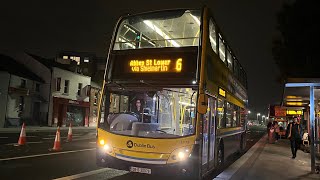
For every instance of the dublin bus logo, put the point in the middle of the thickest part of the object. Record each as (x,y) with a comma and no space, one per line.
(129,144)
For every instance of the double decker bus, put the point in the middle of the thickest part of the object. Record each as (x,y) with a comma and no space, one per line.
(174,96)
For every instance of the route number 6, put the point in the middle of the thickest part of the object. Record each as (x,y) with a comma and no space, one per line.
(179,65)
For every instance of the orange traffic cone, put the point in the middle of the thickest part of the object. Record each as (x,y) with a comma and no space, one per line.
(69,139)
(22,138)
(56,145)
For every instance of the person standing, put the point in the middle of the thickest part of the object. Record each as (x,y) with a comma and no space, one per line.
(269,127)
(294,136)
(277,130)
(271,135)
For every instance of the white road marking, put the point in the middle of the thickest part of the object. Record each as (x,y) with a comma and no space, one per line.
(75,134)
(34,142)
(90,173)
(93,142)
(26,143)
(4,137)
(49,138)
(83,139)
(48,154)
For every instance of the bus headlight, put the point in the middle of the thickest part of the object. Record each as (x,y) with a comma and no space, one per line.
(101,142)
(107,148)
(180,154)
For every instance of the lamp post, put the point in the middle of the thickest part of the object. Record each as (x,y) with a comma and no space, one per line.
(258,114)
(263,117)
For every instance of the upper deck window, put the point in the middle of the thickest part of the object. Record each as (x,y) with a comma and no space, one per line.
(159,29)
(213,36)
(222,50)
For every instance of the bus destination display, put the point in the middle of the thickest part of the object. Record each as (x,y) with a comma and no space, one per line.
(155,65)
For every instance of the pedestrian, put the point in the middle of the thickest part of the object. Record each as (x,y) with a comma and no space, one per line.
(294,136)
(271,136)
(269,127)
(277,130)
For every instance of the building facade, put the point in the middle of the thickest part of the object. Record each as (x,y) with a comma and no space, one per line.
(70,98)
(21,93)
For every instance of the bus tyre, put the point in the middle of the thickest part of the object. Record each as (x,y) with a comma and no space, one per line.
(220,156)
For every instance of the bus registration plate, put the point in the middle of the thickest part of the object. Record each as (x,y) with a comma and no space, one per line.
(140,170)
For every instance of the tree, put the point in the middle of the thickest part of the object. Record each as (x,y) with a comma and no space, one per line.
(295,50)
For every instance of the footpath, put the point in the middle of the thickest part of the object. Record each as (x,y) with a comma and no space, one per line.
(270,161)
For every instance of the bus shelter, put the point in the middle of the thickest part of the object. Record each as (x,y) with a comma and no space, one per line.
(304,94)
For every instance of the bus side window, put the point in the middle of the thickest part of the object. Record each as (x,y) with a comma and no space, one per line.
(229,115)
(220,114)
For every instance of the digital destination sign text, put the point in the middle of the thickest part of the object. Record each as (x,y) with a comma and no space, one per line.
(155,65)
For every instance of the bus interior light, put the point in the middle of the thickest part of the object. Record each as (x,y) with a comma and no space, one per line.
(161,33)
(186,104)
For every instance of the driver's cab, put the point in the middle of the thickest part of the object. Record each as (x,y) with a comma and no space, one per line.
(133,113)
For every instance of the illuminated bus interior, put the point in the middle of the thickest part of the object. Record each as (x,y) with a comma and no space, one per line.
(157,114)
(159,29)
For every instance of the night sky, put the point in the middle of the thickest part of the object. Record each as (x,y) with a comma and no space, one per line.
(45,28)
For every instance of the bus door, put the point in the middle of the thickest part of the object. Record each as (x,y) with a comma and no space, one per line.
(208,136)
(212,138)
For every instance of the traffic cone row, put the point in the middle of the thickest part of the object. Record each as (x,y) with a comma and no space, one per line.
(56,146)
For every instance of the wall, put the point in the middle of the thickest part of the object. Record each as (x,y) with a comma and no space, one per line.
(13,101)
(4,83)
(41,71)
(93,107)
(74,80)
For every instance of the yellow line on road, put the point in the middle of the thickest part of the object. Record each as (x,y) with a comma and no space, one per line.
(48,154)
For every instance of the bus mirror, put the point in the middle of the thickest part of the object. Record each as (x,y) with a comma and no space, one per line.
(203,103)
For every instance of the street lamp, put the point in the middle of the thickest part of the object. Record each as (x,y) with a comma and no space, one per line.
(258,114)
(263,117)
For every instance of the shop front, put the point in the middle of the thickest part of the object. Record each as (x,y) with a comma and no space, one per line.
(66,111)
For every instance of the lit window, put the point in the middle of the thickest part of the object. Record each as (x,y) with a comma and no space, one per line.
(65,57)
(77,59)
(86,60)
